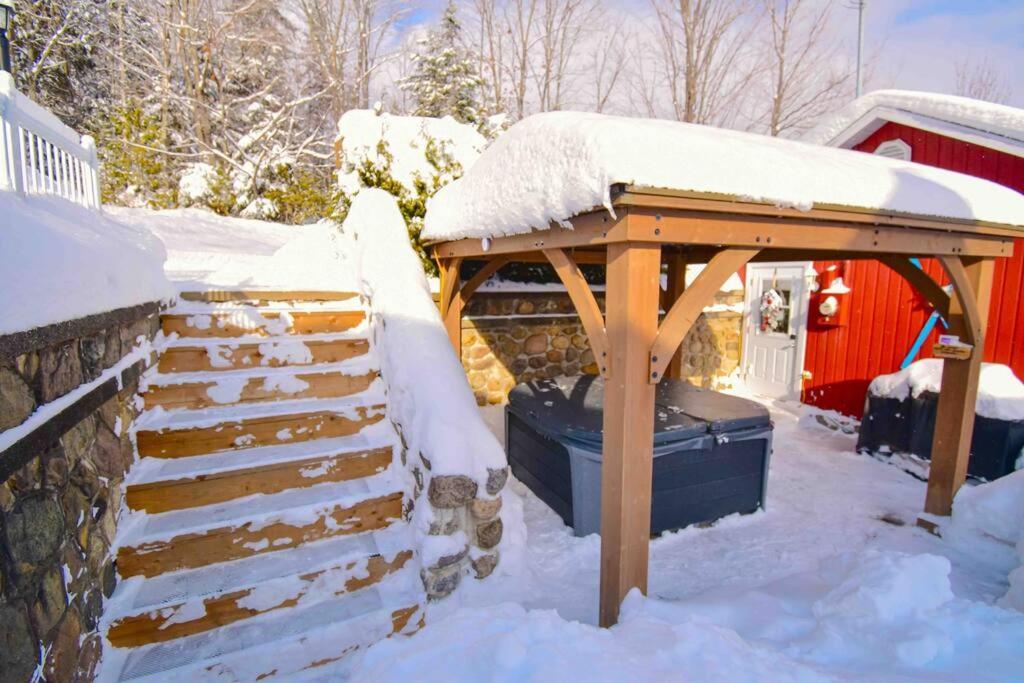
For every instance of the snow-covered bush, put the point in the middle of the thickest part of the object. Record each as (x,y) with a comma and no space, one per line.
(408,157)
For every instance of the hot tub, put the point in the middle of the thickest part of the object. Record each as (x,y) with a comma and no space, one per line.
(711,451)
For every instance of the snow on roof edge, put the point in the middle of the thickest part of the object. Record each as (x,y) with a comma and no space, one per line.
(1000,120)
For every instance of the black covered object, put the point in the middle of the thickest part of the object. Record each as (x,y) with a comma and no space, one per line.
(907,426)
(710,451)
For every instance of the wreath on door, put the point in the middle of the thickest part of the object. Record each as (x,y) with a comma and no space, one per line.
(773,311)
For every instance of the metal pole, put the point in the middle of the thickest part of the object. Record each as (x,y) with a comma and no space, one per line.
(861,5)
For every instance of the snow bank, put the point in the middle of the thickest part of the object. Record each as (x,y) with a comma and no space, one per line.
(60,261)
(206,250)
(360,131)
(995,510)
(993,118)
(428,395)
(552,166)
(871,616)
(1000,393)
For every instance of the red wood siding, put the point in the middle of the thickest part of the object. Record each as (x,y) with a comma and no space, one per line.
(886,315)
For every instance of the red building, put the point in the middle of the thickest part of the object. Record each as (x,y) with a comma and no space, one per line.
(880,320)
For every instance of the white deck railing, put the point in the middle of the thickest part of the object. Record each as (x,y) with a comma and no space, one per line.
(41,155)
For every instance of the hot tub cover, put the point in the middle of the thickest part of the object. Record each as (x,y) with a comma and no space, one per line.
(571,409)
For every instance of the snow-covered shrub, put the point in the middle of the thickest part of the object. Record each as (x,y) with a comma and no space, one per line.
(260,208)
(196,184)
(408,157)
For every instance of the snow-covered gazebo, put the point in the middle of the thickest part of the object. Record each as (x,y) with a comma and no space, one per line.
(585,188)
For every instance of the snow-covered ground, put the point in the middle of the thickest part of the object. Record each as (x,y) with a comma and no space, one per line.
(833,582)
(205,250)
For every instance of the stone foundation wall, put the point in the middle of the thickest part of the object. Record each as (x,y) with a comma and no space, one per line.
(58,511)
(513,337)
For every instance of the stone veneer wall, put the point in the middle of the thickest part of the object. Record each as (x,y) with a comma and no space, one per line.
(513,337)
(58,511)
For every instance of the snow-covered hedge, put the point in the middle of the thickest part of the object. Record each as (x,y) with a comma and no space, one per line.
(60,261)
(429,399)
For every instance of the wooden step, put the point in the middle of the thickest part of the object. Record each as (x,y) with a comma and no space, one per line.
(264,295)
(232,542)
(226,608)
(210,489)
(258,354)
(255,389)
(254,432)
(258,322)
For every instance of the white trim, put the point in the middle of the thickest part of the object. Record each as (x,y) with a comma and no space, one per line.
(861,129)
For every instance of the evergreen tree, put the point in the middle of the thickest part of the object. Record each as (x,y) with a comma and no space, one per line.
(445,81)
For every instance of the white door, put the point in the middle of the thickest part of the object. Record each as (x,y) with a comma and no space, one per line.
(775,328)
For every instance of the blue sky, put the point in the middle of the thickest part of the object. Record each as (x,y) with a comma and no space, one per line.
(915,44)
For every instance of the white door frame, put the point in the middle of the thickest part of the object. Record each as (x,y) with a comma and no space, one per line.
(798,318)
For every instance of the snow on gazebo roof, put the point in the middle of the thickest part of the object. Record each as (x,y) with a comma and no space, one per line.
(994,125)
(553,166)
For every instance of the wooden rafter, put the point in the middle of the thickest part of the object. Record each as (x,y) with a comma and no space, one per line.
(921,282)
(688,307)
(586,305)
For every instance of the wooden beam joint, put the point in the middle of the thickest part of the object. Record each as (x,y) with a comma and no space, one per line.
(586,306)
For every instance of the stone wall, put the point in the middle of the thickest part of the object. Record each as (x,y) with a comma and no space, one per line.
(513,337)
(58,510)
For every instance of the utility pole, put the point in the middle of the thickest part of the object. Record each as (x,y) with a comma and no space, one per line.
(860,7)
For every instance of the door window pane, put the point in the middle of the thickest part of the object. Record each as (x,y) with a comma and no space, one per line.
(774,309)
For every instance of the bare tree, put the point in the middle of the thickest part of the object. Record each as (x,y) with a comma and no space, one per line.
(608,64)
(981,80)
(802,72)
(703,58)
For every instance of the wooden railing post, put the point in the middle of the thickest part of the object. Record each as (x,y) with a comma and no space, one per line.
(954,417)
(631,321)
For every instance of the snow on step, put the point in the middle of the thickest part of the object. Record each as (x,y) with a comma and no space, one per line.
(183,433)
(378,435)
(258,321)
(155,544)
(196,354)
(264,295)
(200,390)
(179,494)
(184,603)
(287,641)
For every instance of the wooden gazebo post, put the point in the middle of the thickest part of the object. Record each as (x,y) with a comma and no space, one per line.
(958,393)
(631,320)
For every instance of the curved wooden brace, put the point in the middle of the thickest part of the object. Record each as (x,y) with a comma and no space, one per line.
(472,284)
(688,306)
(921,282)
(586,305)
(974,326)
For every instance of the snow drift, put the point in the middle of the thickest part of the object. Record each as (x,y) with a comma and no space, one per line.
(872,616)
(60,261)
(552,166)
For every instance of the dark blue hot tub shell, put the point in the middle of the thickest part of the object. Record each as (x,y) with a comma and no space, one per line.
(711,451)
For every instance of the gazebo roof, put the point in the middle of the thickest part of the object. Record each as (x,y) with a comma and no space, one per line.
(551,167)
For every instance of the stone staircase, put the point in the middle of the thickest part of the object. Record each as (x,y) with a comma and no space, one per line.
(266,533)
